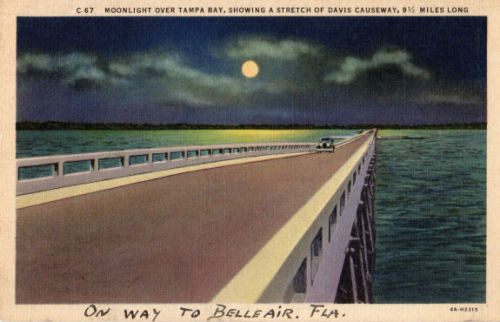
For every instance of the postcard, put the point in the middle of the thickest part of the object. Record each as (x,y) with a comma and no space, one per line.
(237,161)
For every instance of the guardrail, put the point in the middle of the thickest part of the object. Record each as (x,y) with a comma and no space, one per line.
(305,259)
(51,172)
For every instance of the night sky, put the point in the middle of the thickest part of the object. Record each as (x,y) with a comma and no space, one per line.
(327,70)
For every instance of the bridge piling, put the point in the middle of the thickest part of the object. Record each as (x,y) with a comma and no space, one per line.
(356,282)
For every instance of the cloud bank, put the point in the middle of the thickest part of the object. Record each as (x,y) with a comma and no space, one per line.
(263,47)
(352,67)
(288,67)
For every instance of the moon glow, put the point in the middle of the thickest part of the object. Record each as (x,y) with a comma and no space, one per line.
(250,69)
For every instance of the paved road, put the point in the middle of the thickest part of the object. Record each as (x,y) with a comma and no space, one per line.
(174,239)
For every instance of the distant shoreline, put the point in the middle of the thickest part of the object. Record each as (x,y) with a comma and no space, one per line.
(57,125)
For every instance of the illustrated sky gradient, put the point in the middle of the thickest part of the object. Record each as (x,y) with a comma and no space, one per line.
(313,70)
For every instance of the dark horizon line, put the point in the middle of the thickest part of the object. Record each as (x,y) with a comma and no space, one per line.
(63,125)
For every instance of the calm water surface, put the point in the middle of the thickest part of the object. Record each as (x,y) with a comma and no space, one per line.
(430,212)
(41,143)
(430,200)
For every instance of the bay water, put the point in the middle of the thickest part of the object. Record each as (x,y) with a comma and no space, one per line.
(430,208)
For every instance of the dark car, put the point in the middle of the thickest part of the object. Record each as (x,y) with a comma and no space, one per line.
(325,144)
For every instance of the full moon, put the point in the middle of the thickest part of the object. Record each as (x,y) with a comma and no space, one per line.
(250,69)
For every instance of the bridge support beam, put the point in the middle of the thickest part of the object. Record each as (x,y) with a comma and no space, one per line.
(356,281)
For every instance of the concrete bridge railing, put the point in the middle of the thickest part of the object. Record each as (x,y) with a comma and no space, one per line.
(315,257)
(51,172)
